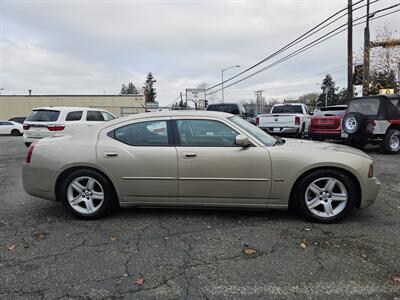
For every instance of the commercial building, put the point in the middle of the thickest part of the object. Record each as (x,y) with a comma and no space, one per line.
(21,105)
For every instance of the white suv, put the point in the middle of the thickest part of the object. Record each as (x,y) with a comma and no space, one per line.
(48,121)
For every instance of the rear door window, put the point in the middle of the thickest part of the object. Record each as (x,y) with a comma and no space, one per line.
(394,109)
(94,116)
(149,133)
(74,116)
(43,115)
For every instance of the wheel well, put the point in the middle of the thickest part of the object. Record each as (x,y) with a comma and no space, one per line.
(394,126)
(72,169)
(351,175)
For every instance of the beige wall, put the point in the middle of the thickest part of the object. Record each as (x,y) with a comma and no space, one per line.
(21,106)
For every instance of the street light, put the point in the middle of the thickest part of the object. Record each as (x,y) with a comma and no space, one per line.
(222,76)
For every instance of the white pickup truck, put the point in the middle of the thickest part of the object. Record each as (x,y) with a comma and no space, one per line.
(286,119)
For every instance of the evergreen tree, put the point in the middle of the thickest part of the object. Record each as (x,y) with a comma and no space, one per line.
(129,89)
(149,91)
(329,90)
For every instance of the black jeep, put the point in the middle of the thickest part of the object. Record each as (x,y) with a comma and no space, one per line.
(375,120)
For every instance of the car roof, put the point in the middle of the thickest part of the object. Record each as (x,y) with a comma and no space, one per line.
(175,113)
(288,104)
(66,108)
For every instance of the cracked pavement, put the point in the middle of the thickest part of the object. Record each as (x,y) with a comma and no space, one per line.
(194,254)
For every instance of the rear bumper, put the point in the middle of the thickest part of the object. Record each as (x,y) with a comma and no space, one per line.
(327,134)
(282,130)
(39,182)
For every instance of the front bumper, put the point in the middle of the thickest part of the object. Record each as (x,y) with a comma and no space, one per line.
(370,193)
(39,182)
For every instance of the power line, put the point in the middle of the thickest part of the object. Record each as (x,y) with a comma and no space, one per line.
(310,45)
(294,42)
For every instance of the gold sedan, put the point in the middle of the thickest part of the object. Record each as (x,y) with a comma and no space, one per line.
(197,159)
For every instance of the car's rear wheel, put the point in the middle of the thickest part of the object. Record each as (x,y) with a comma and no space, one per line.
(87,194)
(15,132)
(325,196)
(391,142)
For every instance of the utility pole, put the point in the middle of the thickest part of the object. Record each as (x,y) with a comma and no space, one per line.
(350,49)
(366,55)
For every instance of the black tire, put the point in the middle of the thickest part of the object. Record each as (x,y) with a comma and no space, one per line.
(358,143)
(387,146)
(109,201)
(303,184)
(353,123)
(302,133)
(15,132)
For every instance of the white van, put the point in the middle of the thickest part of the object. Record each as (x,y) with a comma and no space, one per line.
(48,121)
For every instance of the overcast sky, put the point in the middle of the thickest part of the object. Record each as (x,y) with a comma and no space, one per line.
(91,47)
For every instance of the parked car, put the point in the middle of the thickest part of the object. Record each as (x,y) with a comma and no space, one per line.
(326,123)
(230,108)
(203,159)
(10,127)
(20,120)
(48,121)
(286,119)
(375,120)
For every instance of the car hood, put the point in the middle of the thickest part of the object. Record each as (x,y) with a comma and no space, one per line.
(314,145)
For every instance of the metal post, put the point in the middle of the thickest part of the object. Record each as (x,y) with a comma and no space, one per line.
(366,55)
(222,85)
(350,49)
(326,96)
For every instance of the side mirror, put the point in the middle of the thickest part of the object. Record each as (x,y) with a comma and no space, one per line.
(242,141)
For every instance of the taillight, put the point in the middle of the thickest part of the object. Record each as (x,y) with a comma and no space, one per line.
(29,153)
(371,171)
(370,126)
(257,121)
(296,120)
(26,126)
(55,127)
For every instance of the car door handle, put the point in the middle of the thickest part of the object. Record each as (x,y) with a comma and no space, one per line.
(189,154)
(110,154)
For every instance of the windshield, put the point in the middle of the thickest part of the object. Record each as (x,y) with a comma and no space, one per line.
(366,106)
(261,135)
(287,109)
(228,108)
(43,115)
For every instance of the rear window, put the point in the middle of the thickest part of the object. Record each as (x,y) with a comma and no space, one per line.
(228,108)
(331,111)
(369,107)
(94,115)
(43,115)
(287,109)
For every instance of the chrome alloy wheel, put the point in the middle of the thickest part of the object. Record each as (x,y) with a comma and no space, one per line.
(326,197)
(394,142)
(351,124)
(85,195)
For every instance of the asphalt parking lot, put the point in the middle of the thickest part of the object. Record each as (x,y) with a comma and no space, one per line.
(195,254)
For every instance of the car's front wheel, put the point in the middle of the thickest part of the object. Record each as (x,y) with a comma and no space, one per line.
(87,194)
(325,196)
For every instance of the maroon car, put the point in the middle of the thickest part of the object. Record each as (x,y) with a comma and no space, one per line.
(326,123)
